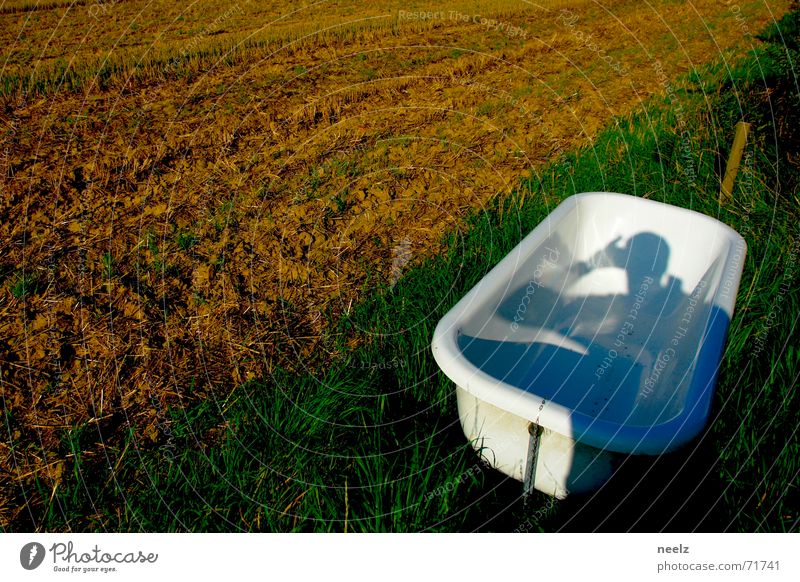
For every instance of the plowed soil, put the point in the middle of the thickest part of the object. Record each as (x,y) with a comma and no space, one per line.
(173,235)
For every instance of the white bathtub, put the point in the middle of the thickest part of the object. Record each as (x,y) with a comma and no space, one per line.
(605,327)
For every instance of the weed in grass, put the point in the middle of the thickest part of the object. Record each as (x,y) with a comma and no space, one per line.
(485,109)
(224,217)
(108,265)
(315,179)
(369,74)
(340,202)
(24,284)
(186,240)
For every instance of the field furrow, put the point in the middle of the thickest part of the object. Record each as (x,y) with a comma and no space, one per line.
(189,218)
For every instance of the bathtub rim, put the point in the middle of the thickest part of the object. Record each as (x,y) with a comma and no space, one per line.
(603,434)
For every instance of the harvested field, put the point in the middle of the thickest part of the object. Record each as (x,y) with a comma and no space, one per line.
(189,195)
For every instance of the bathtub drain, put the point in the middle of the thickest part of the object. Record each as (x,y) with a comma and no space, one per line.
(534,439)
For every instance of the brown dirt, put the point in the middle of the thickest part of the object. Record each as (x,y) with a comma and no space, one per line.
(177,238)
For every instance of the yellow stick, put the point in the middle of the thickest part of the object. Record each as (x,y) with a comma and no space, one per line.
(734,159)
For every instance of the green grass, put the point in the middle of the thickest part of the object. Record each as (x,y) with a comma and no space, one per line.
(24,284)
(186,240)
(244,464)
(372,443)
(108,265)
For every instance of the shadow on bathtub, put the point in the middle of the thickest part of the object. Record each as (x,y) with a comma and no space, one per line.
(615,338)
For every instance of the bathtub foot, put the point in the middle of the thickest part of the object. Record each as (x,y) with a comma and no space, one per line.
(534,440)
